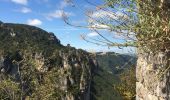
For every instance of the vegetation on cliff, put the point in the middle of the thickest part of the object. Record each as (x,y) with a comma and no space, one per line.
(144,24)
(34,65)
(113,82)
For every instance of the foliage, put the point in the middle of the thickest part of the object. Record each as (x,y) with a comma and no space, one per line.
(127,85)
(109,82)
(19,37)
(48,89)
(9,90)
(115,62)
(102,87)
(144,24)
(148,20)
(34,61)
(153,26)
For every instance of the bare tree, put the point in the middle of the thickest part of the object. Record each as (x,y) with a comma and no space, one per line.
(137,22)
(119,23)
(144,24)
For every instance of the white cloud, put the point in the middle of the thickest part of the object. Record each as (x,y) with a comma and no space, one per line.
(110,15)
(34,22)
(23,2)
(63,4)
(107,17)
(99,26)
(121,15)
(92,34)
(102,14)
(26,10)
(58,14)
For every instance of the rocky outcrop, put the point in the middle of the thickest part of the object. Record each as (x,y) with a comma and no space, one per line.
(53,37)
(41,67)
(153,76)
(82,79)
(153,66)
(1,22)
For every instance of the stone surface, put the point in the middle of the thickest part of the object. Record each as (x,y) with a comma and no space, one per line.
(153,83)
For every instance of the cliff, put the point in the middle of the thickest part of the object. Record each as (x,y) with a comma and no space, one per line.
(34,65)
(153,76)
(153,65)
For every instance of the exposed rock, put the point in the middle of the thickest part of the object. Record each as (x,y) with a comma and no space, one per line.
(1,22)
(153,83)
(41,66)
(53,38)
(5,64)
(13,34)
(40,62)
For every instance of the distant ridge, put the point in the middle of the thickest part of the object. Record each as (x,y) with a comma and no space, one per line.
(1,22)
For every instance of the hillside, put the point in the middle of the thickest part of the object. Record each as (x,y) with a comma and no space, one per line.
(114,79)
(34,65)
(115,62)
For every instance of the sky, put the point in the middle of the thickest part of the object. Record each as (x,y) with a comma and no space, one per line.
(47,14)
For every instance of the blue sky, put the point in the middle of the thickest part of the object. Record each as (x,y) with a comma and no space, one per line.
(47,14)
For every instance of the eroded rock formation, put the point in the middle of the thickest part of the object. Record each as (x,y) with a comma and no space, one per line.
(40,68)
(153,76)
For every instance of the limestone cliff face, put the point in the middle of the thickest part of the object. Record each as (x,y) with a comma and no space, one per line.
(76,72)
(153,68)
(40,68)
(153,76)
